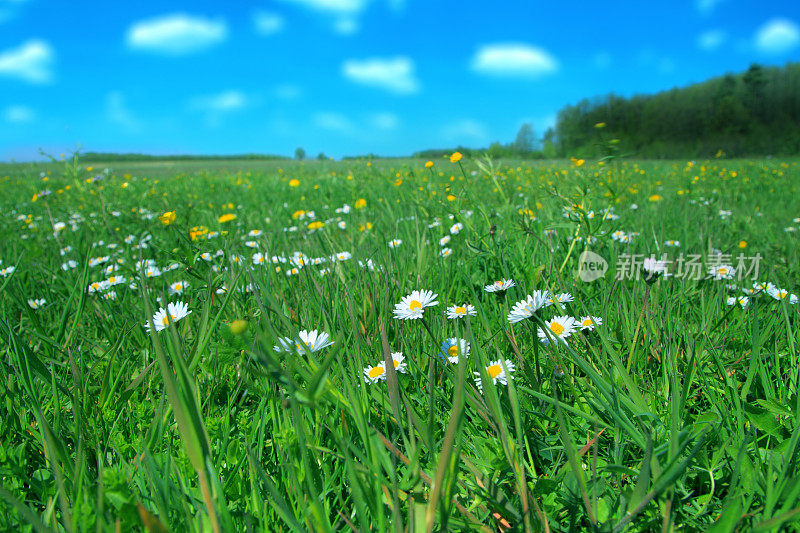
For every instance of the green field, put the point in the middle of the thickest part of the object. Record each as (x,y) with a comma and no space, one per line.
(631,402)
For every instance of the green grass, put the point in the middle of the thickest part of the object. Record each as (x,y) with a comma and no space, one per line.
(679,411)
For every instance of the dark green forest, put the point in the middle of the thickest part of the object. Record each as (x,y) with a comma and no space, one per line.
(753,113)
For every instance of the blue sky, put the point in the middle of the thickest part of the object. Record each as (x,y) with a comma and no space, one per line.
(349,76)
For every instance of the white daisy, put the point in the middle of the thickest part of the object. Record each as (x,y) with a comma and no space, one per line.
(527,307)
(394,243)
(588,323)
(654,268)
(413,305)
(69,265)
(174,312)
(313,340)
(499,371)
(399,362)
(722,272)
(178,287)
(741,300)
(562,298)
(446,252)
(374,374)
(500,285)
(451,349)
(460,311)
(7,271)
(444,240)
(456,228)
(782,294)
(37,303)
(559,328)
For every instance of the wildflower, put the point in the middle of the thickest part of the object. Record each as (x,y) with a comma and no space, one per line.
(446,252)
(588,323)
(764,286)
(115,280)
(742,244)
(177,287)
(559,328)
(313,340)
(500,286)
(674,244)
(782,294)
(360,203)
(227,217)
(341,224)
(394,243)
(741,300)
(294,182)
(342,256)
(444,240)
(413,306)
(451,349)
(374,374)
(656,198)
(163,317)
(317,224)
(460,311)
(98,286)
(399,362)
(654,268)
(562,298)
(69,265)
(110,295)
(722,272)
(454,158)
(428,164)
(168,218)
(37,303)
(456,228)
(499,371)
(527,307)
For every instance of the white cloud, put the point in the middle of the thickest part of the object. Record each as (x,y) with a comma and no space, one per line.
(385,121)
(177,34)
(336,7)
(345,13)
(288,91)
(393,74)
(711,40)
(465,131)
(118,113)
(267,23)
(777,36)
(705,7)
(333,122)
(513,59)
(18,114)
(222,102)
(346,26)
(31,61)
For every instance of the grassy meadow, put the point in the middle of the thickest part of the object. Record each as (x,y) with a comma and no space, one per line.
(306,383)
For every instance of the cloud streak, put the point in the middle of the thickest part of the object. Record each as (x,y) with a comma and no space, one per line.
(32,61)
(178,34)
(395,74)
(513,60)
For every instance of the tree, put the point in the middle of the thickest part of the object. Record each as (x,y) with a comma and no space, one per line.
(321,156)
(526,140)
(299,153)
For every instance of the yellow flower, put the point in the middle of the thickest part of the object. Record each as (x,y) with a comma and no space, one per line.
(197,232)
(428,164)
(125,185)
(577,162)
(656,198)
(168,218)
(227,217)
(89,169)
(450,197)
(360,203)
(742,244)
(294,182)
(398,182)
(455,158)
(297,214)
(316,225)
(600,125)
(362,227)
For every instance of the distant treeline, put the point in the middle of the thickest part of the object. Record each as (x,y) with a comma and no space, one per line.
(756,112)
(112,157)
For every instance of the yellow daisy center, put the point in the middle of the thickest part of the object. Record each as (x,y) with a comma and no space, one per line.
(375,371)
(461,310)
(167,319)
(178,287)
(723,271)
(494,371)
(587,322)
(414,305)
(556,328)
(396,363)
(498,283)
(453,351)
